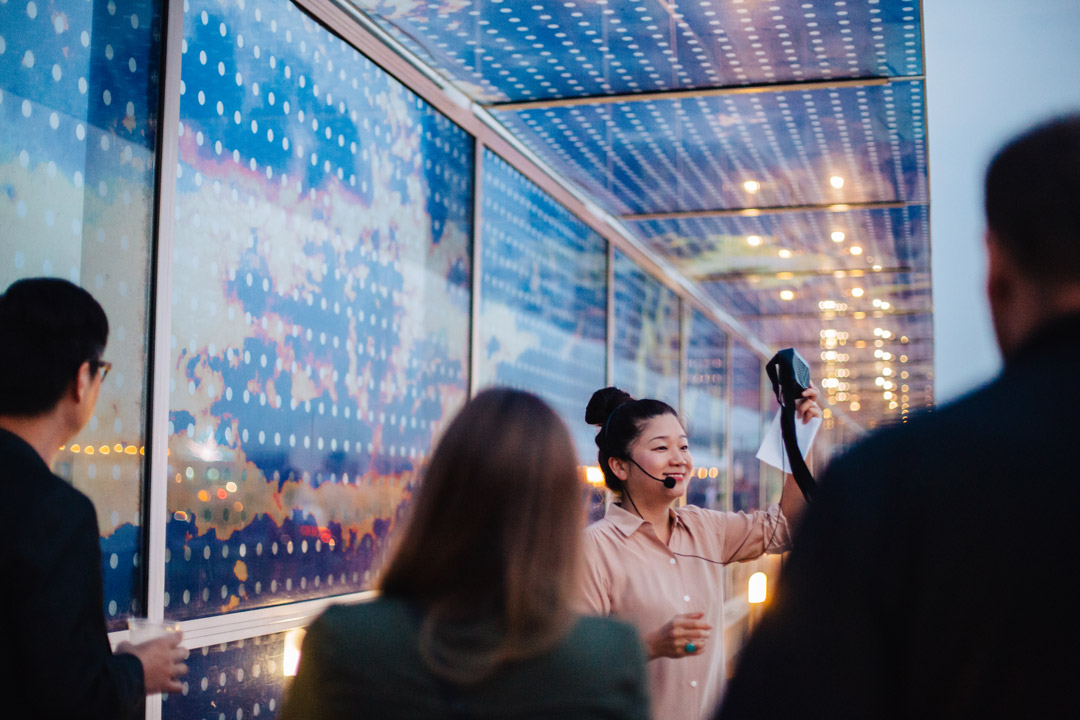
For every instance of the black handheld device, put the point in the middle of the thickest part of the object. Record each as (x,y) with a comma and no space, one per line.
(790,376)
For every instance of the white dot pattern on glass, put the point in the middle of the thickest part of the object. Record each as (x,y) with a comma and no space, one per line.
(695,154)
(520,50)
(321,287)
(542,310)
(647,327)
(77,204)
(239,679)
(747,374)
(705,400)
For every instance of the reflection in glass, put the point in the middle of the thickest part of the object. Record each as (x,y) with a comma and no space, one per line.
(320,313)
(78,108)
(746,428)
(646,343)
(240,679)
(543,304)
(706,411)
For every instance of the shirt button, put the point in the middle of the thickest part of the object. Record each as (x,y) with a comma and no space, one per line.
(686,598)
(693,683)
(672,561)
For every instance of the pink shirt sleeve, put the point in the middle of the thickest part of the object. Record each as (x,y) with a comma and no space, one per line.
(745,536)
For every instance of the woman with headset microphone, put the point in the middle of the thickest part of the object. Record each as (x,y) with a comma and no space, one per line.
(661,567)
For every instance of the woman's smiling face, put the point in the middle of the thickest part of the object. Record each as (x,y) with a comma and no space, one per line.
(662,451)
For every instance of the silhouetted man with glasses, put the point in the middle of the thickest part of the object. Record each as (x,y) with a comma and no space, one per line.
(930,578)
(56,660)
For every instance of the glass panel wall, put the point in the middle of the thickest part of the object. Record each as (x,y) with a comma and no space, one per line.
(320,326)
(646,343)
(706,411)
(772,479)
(79,112)
(239,679)
(543,301)
(746,427)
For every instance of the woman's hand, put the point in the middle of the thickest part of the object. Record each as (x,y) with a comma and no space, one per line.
(808,407)
(682,636)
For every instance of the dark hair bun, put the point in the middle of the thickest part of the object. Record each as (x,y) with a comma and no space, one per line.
(603,403)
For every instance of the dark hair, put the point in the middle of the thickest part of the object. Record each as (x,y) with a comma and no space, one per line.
(492,546)
(621,419)
(1032,187)
(48,328)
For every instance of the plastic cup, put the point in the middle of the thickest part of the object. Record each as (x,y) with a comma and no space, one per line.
(141,629)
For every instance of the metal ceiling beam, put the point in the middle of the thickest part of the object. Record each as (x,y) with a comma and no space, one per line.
(736,275)
(845,315)
(667,95)
(775,210)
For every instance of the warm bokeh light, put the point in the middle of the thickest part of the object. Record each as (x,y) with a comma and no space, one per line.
(836,181)
(784,253)
(755,591)
(753,240)
(838,236)
(856,292)
(594,475)
(291,659)
(787,295)
(752,186)
(855,250)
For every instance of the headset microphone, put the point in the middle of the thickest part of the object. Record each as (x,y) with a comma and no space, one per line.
(669,483)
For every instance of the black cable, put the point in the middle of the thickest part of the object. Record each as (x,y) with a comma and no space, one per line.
(772,537)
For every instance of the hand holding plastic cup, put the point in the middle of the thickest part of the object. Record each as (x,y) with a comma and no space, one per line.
(141,629)
(156,644)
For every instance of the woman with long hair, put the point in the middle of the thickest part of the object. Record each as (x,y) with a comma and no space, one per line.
(474,619)
(661,567)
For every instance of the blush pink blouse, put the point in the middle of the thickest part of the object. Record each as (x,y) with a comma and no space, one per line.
(633,576)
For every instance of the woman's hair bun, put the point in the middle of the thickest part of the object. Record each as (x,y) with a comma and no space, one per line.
(602,403)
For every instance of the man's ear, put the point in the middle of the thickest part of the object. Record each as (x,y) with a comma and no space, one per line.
(1017,303)
(80,386)
(619,467)
(1000,274)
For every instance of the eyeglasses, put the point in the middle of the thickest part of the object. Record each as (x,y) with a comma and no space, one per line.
(104,366)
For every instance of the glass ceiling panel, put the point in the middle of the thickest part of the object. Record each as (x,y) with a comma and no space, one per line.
(499,50)
(851,242)
(797,148)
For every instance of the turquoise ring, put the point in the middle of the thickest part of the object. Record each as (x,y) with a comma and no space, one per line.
(690,648)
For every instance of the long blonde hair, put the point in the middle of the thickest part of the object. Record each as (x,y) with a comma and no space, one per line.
(491,550)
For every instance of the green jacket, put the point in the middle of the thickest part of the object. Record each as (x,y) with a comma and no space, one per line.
(363,661)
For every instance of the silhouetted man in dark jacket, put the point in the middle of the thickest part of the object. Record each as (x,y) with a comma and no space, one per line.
(56,661)
(930,578)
